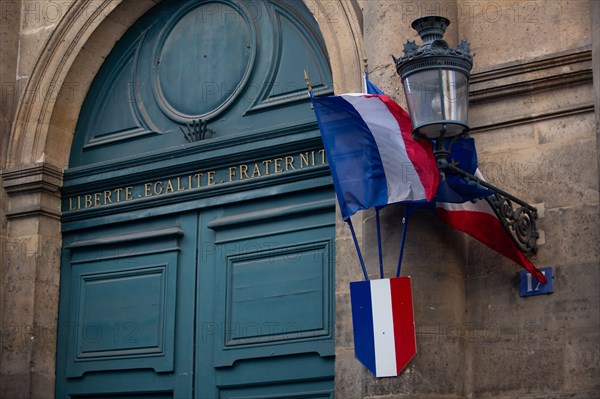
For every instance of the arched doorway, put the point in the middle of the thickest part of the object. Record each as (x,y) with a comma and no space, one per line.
(198,216)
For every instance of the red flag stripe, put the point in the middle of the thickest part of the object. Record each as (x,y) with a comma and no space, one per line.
(404,321)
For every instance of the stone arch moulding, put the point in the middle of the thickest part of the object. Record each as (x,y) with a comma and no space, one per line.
(36,120)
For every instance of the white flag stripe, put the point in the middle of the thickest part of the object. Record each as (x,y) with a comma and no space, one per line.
(403,182)
(478,206)
(383,328)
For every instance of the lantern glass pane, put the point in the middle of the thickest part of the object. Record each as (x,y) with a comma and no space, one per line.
(422,96)
(455,95)
(437,99)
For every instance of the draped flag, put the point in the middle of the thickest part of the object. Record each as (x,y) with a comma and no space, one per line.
(373,158)
(479,221)
(454,206)
(383,324)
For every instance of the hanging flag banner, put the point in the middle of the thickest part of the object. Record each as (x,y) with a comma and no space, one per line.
(375,161)
(370,87)
(384,324)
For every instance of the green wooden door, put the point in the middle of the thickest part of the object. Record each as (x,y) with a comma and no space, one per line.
(198,263)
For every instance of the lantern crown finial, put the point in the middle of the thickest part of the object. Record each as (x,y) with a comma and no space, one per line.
(431,27)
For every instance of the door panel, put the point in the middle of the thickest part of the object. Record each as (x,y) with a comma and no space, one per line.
(121,291)
(312,377)
(270,275)
(125,315)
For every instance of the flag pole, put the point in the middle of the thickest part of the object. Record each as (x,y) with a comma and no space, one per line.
(308,84)
(404,226)
(365,74)
(360,258)
(379,250)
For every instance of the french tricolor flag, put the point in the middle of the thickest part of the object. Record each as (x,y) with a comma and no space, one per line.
(384,326)
(479,221)
(373,157)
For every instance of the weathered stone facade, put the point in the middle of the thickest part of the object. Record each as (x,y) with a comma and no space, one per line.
(534,115)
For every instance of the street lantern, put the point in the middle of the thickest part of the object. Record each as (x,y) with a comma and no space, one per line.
(436,81)
(436,84)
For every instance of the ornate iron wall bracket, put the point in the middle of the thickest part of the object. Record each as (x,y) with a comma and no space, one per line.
(519,223)
(196,131)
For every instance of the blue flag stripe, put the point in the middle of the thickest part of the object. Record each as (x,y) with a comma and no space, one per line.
(362,324)
(356,165)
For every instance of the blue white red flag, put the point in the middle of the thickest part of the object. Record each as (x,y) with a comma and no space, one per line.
(479,220)
(455,208)
(373,158)
(383,323)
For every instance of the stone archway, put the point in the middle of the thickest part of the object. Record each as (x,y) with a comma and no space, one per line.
(38,151)
(92,28)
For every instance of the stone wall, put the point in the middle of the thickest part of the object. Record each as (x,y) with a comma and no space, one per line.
(532,117)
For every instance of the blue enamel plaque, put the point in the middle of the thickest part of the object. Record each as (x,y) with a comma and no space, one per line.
(529,285)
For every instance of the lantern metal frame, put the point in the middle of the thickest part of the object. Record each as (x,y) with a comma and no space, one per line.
(517,216)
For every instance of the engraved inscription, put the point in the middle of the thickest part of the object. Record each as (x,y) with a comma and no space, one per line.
(198,180)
